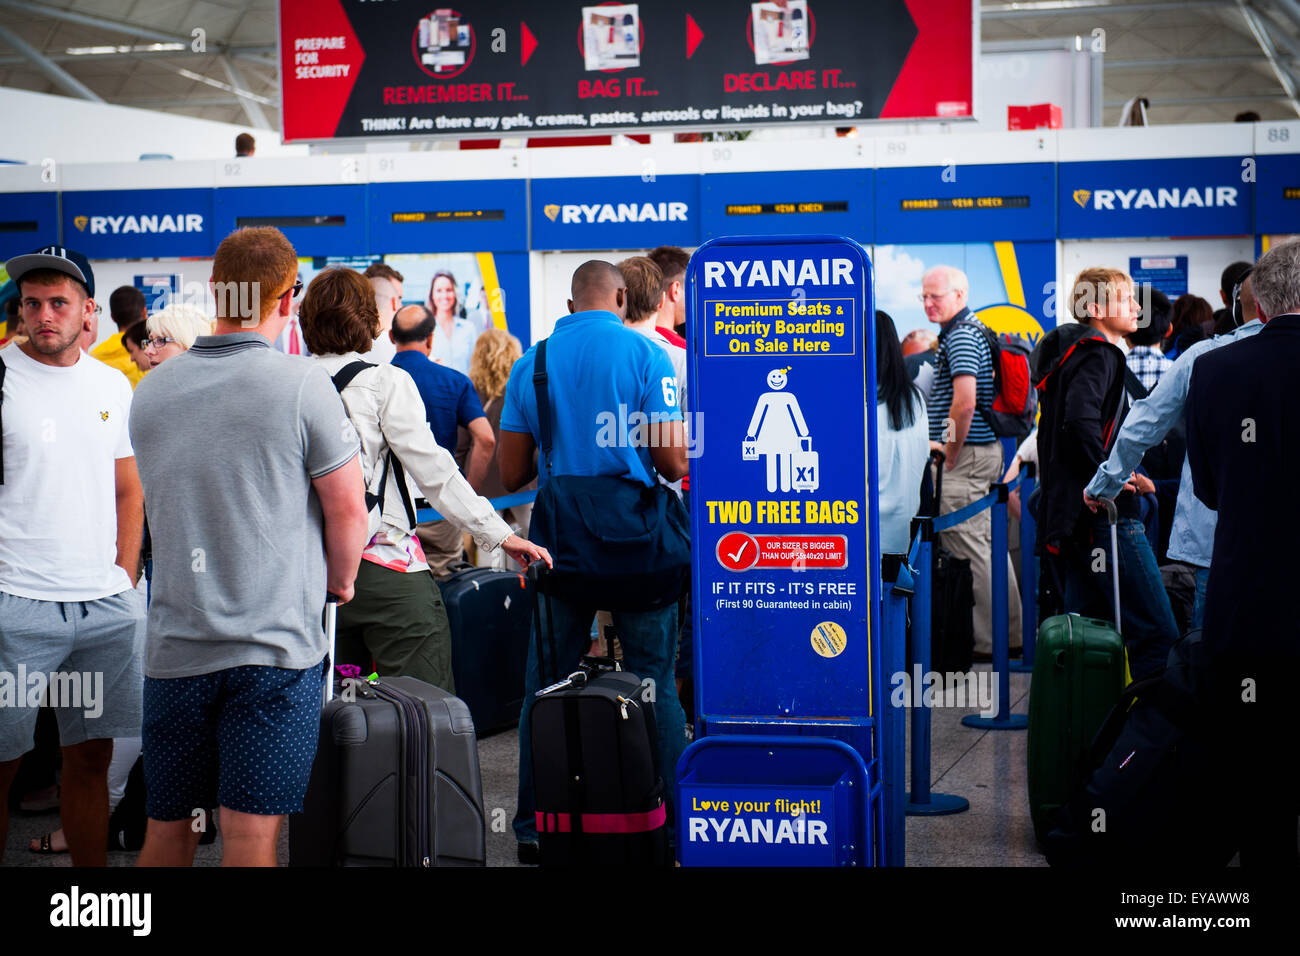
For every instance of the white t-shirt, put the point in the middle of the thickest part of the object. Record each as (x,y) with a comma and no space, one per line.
(1028,450)
(382,352)
(63,430)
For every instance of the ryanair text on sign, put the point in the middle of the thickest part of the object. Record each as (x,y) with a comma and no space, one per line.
(121,225)
(621,212)
(1160,198)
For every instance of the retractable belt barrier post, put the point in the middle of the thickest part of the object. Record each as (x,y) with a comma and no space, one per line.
(1028,573)
(921,802)
(1004,719)
(893,626)
(921,558)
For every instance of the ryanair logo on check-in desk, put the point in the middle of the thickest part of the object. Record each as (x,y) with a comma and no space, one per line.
(1112,199)
(616,212)
(121,225)
(1158,198)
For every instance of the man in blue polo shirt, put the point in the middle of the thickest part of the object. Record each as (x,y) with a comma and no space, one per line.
(597,368)
(450,401)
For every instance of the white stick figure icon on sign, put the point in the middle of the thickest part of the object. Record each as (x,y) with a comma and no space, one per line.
(777,429)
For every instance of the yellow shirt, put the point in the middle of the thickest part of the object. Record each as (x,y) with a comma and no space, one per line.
(112,352)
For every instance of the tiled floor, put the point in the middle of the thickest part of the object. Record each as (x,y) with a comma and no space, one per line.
(986,767)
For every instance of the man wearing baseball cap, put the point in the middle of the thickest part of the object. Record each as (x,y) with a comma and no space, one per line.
(71,519)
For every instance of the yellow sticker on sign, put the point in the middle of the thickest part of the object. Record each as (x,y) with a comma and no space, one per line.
(829,639)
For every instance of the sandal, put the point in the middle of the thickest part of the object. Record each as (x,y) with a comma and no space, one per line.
(46,847)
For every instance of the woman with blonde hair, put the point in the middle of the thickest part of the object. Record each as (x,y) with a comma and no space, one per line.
(495,353)
(172,330)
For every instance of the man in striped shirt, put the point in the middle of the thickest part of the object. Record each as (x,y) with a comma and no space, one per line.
(963,384)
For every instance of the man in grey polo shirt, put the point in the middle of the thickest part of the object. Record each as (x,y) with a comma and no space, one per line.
(255,502)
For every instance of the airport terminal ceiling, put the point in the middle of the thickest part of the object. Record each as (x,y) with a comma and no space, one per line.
(1198,61)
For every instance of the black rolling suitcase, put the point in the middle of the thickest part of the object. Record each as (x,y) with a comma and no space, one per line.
(396,779)
(490,612)
(598,797)
(952,598)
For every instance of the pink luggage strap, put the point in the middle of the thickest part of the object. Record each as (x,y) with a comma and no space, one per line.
(604,822)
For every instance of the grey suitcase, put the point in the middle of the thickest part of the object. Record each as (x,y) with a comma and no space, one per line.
(396,779)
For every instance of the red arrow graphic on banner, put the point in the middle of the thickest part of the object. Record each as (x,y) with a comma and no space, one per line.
(317,79)
(935,78)
(693,35)
(527,43)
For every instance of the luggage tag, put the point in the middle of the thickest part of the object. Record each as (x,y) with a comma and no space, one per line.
(576,679)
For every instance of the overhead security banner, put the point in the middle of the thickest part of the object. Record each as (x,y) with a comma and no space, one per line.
(780,503)
(378,68)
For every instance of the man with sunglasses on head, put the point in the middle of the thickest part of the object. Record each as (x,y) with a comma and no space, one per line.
(256,506)
(1191,539)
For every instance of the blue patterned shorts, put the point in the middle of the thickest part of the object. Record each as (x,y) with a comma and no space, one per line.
(242,738)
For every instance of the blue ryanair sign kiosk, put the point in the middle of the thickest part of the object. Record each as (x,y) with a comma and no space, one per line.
(786,766)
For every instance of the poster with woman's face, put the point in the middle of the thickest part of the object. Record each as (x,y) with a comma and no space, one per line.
(462,292)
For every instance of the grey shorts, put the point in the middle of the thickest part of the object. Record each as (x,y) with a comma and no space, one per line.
(83,657)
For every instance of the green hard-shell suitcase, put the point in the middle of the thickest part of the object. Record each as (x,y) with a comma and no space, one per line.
(1079,674)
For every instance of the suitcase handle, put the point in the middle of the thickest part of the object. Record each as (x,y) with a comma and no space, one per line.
(331,631)
(535,571)
(1112,515)
(937,458)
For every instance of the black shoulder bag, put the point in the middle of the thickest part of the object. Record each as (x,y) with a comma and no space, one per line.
(341,381)
(616,543)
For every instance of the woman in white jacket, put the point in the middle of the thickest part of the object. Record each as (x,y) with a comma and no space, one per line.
(397,611)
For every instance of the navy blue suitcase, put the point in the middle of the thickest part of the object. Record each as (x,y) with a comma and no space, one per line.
(490,612)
